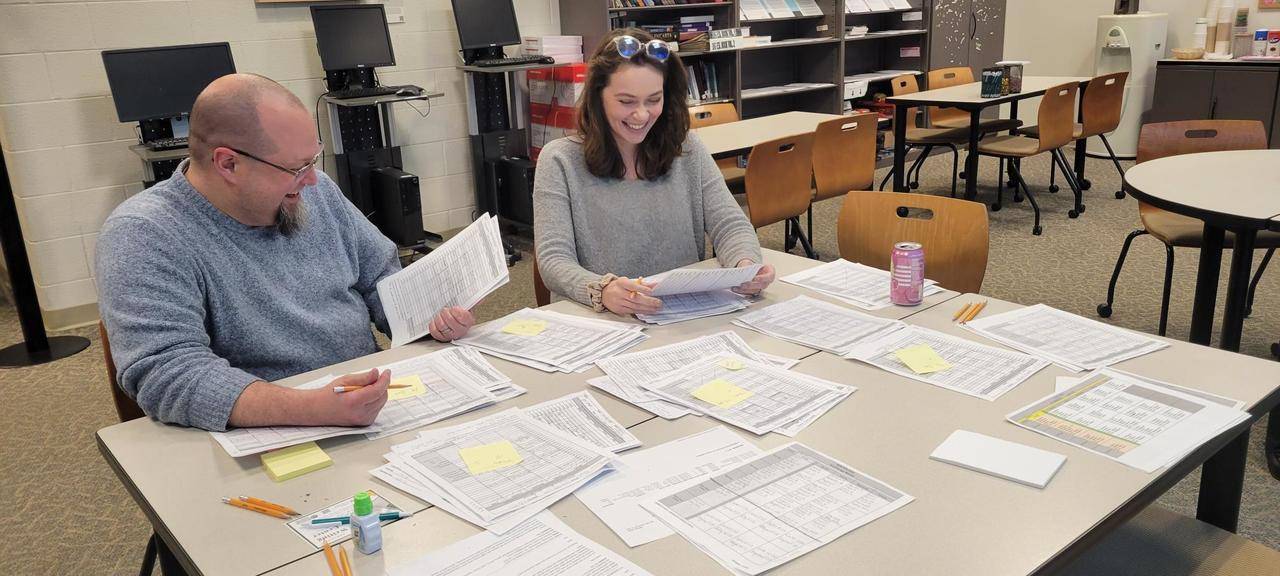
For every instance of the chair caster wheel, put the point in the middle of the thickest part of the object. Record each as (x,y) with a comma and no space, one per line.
(902,211)
(1017,198)
(995,207)
(1082,208)
(963,175)
(1036,231)
(1104,310)
(1011,184)
(1120,194)
(1054,188)
(915,185)
(1072,214)
(1085,184)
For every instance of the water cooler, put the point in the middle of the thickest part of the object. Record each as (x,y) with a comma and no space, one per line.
(1130,43)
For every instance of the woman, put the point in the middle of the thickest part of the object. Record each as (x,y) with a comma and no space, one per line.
(633,193)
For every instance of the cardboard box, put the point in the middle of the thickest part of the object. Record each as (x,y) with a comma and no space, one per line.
(559,86)
(547,123)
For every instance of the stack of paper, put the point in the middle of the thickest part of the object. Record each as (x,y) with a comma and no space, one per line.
(693,305)
(1073,342)
(541,545)
(440,385)
(857,284)
(751,395)
(552,341)
(495,472)
(461,272)
(1137,422)
(817,324)
(949,362)
(689,293)
(775,507)
(582,416)
(616,498)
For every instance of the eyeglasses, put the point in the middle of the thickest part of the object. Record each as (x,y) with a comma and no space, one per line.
(297,173)
(628,47)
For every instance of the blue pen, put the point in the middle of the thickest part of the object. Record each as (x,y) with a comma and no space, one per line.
(347,519)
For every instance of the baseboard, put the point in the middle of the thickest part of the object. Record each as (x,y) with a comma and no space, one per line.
(68,318)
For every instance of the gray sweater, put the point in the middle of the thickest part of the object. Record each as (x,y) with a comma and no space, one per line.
(586,227)
(198,305)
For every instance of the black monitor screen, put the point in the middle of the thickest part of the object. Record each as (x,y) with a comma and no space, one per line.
(150,83)
(352,36)
(486,23)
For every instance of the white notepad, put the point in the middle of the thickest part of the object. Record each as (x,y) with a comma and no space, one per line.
(1001,458)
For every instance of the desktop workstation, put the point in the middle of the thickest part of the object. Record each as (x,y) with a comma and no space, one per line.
(471,147)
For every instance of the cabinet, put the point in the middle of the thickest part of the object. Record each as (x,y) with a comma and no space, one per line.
(967,33)
(1204,91)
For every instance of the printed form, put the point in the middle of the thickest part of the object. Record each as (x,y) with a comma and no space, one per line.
(1074,342)
(552,341)
(686,280)
(857,284)
(817,324)
(461,272)
(631,370)
(582,416)
(775,508)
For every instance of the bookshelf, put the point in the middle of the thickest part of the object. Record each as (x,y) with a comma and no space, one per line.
(808,62)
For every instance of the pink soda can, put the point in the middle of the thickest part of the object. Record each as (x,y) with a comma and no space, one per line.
(906,274)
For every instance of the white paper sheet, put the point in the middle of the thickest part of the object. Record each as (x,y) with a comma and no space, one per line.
(817,324)
(812,499)
(659,407)
(239,442)
(616,498)
(631,370)
(461,272)
(541,545)
(857,284)
(976,369)
(999,458)
(448,393)
(1073,342)
(686,280)
(694,305)
(1135,422)
(581,415)
(809,8)
(567,343)
(753,10)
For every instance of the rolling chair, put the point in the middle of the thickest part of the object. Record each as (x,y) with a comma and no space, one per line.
(926,138)
(720,113)
(779,183)
(844,158)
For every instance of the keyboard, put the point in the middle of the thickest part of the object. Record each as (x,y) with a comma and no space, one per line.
(514,61)
(363,92)
(167,144)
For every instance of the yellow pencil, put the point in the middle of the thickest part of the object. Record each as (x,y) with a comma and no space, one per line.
(633,292)
(962,312)
(974,313)
(255,508)
(346,562)
(270,505)
(334,570)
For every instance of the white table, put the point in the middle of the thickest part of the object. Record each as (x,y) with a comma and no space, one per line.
(178,475)
(734,138)
(961,522)
(967,97)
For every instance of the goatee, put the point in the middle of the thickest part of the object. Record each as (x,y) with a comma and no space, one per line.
(290,220)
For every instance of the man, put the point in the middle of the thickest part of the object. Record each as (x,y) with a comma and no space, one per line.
(247,266)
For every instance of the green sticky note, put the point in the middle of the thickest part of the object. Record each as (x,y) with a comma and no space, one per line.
(490,457)
(525,327)
(722,393)
(922,359)
(294,461)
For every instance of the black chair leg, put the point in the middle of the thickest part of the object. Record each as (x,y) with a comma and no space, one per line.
(1112,153)
(1253,286)
(1022,183)
(999,203)
(149,557)
(1053,177)
(955,167)
(890,173)
(1104,310)
(915,167)
(804,241)
(809,220)
(1272,443)
(788,236)
(1061,158)
(1168,287)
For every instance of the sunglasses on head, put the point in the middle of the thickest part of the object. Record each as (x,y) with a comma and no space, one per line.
(629,47)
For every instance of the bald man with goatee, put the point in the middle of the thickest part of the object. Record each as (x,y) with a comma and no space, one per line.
(247,266)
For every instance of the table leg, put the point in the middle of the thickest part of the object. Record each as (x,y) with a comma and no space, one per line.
(1206,298)
(1081,145)
(1237,289)
(1013,115)
(899,147)
(971,161)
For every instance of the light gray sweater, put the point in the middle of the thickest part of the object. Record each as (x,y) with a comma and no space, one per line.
(198,305)
(586,226)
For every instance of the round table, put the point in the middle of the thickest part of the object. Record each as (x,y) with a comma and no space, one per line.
(1237,191)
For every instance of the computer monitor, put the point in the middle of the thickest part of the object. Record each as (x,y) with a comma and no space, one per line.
(153,83)
(486,23)
(352,36)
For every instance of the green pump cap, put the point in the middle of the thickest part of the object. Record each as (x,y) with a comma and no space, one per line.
(363,504)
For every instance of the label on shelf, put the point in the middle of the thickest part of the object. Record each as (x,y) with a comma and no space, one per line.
(912,16)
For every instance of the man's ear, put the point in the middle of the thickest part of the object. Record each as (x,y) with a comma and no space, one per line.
(225,163)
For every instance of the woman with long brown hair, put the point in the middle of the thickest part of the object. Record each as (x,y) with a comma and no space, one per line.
(633,193)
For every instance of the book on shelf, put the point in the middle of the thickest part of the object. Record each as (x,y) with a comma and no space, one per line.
(704,84)
(753,10)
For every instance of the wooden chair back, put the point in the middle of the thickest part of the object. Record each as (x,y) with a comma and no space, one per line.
(1057,117)
(844,155)
(952,231)
(710,115)
(1190,136)
(906,84)
(541,294)
(1102,103)
(778,179)
(126,408)
(943,78)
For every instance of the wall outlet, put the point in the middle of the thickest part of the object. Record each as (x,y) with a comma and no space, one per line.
(395,14)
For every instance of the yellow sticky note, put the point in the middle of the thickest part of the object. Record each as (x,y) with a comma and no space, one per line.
(525,327)
(294,461)
(489,457)
(731,364)
(922,359)
(415,387)
(722,393)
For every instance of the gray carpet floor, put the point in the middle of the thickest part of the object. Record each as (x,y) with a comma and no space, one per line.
(70,515)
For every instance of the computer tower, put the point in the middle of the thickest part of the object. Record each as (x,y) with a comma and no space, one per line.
(515,190)
(398,205)
(486,150)
(355,170)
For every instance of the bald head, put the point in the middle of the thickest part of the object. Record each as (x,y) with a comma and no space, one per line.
(239,110)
